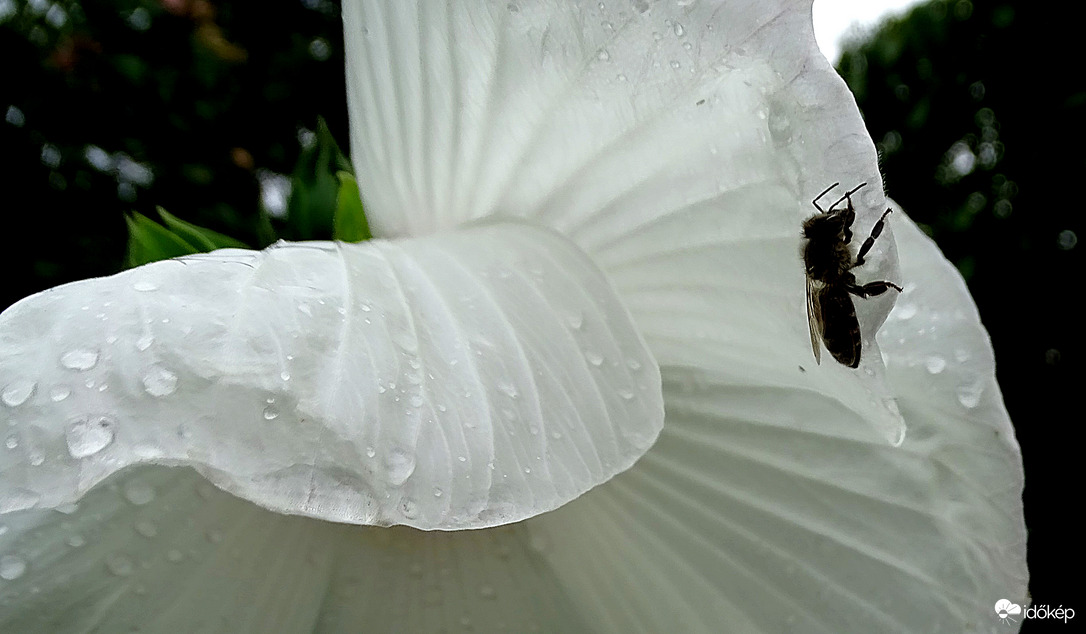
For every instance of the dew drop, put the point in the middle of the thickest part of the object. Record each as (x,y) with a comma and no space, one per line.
(935,364)
(79,359)
(905,311)
(679,30)
(603,55)
(76,540)
(17,392)
(145,286)
(12,442)
(508,389)
(144,342)
(59,393)
(370,452)
(87,436)
(633,364)
(159,381)
(284,375)
(557,435)
(438,492)
(676,65)
(409,508)
(138,493)
(969,395)
(271,412)
(120,565)
(146,528)
(626,394)
(594,358)
(399,466)
(12,567)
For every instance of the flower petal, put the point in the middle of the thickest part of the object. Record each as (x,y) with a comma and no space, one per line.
(758,509)
(460,381)
(159,549)
(678,143)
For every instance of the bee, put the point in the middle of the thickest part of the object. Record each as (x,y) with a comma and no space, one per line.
(828,262)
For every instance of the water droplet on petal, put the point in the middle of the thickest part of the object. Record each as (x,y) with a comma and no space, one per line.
(16,393)
(508,389)
(935,364)
(159,381)
(594,358)
(120,565)
(12,442)
(145,286)
(12,567)
(679,30)
(409,508)
(79,359)
(271,412)
(146,528)
(438,492)
(87,436)
(399,466)
(138,493)
(969,395)
(59,393)
(76,540)
(905,311)
(144,342)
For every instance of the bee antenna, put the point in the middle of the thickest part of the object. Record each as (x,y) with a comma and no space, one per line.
(847,194)
(824,192)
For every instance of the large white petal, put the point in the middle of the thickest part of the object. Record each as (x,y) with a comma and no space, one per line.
(155,549)
(758,510)
(457,381)
(678,143)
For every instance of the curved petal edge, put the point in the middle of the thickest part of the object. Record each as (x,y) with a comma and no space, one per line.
(465,380)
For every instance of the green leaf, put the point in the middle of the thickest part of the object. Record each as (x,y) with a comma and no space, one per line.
(350,221)
(149,241)
(314,188)
(203,239)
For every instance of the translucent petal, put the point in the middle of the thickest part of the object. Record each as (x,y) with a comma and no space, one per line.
(457,381)
(158,549)
(758,509)
(679,143)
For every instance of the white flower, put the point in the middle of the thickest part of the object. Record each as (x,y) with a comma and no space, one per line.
(640,171)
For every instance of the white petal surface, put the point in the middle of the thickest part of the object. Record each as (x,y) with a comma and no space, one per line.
(457,381)
(758,509)
(678,143)
(161,550)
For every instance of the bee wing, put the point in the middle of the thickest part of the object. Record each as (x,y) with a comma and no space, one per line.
(814,320)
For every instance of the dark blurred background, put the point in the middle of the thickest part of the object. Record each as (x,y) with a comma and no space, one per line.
(113,106)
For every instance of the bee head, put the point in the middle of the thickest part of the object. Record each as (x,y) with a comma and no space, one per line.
(824,227)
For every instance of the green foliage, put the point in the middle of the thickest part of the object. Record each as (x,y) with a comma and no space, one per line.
(149,241)
(350,221)
(315,188)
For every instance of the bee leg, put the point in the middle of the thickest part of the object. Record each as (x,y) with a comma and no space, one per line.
(872,289)
(875,232)
(819,197)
